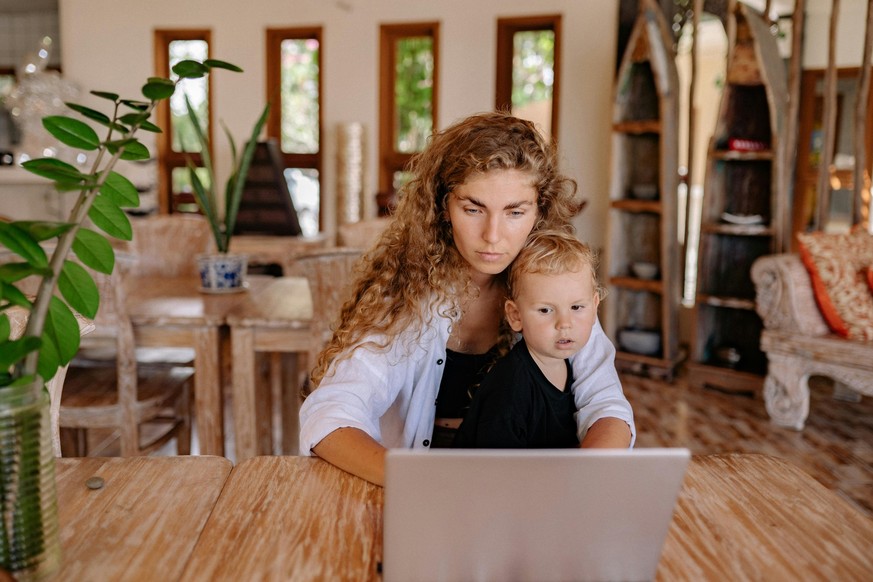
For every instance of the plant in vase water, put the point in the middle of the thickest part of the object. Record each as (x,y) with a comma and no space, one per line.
(222,272)
(29,544)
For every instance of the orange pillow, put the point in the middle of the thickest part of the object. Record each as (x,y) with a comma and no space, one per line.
(838,265)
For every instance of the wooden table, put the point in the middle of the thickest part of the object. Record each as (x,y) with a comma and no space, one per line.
(278,250)
(273,320)
(738,517)
(145,520)
(172,312)
(291,518)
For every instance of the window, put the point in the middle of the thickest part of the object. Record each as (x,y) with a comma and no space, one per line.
(174,185)
(409,66)
(294,57)
(528,65)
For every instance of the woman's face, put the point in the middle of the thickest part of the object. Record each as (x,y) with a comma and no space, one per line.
(491,216)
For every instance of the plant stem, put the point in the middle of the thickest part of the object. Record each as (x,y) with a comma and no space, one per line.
(38,313)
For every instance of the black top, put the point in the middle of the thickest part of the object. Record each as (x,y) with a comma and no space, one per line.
(517,407)
(462,374)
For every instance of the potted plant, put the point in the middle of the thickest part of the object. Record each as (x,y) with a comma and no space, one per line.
(29,543)
(222,272)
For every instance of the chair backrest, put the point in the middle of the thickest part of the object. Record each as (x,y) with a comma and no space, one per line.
(362,234)
(168,243)
(330,273)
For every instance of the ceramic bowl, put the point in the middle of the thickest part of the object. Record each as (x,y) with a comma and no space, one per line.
(640,341)
(644,270)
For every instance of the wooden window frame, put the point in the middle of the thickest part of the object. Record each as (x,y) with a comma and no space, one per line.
(390,160)
(274,38)
(169,160)
(506,29)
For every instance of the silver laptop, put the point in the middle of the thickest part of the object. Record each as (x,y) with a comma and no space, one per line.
(569,514)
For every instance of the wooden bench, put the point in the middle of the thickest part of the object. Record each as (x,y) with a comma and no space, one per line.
(799,344)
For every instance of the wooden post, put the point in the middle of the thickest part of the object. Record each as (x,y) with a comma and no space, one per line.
(861,180)
(792,132)
(829,122)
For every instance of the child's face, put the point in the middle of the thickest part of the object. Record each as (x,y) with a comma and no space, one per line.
(555,313)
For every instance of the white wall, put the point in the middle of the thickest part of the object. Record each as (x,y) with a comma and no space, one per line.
(107,45)
(851,21)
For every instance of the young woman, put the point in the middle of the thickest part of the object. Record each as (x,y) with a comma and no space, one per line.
(425,319)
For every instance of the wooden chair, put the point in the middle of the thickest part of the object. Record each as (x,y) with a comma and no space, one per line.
(362,234)
(123,395)
(330,273)
(164,244)
(168,243)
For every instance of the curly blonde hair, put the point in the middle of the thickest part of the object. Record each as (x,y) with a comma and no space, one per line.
(415,265)
(552,252)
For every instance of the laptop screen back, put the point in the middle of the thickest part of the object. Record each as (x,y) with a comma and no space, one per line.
(528,514)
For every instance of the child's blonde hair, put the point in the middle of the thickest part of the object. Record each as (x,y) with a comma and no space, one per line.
(551,252)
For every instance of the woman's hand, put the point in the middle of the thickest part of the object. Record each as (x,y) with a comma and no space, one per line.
(607,433)
(354,451)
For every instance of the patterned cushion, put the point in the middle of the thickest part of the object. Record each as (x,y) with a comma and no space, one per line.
(837,265)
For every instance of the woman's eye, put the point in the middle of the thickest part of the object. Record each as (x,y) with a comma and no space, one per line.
(472,210)
(517,213)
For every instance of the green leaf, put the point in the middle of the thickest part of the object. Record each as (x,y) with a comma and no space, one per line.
(14,296)
(189,69)
(98,117)
(5,327)
(14,351)
(133,150)
(65,186)
(94,250)
(42,230)
(149,126)
(90,113)
(54,169)
(49,359)
(236,183)
(120,190)
(216,64)
(157,89)
(107,216)
(79,289)
(61,330)
(72,132)
(20,242)
(138,105)
(12,272)
(105,95)
(133,118)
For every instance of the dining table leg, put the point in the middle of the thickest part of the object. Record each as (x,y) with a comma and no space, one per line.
(208,397)
(245,431)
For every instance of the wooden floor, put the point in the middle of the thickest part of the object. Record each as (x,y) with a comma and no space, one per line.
(835,447)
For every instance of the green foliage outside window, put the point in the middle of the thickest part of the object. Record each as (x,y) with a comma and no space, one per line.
(299,91)
(533,67)
(413,93)
(196,90)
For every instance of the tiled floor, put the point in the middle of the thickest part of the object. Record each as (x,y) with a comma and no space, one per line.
(835,447)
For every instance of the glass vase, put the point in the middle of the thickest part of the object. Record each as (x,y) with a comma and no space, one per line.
(29,535)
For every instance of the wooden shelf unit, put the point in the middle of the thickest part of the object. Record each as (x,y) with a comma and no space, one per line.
(740,185)
(643,225)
